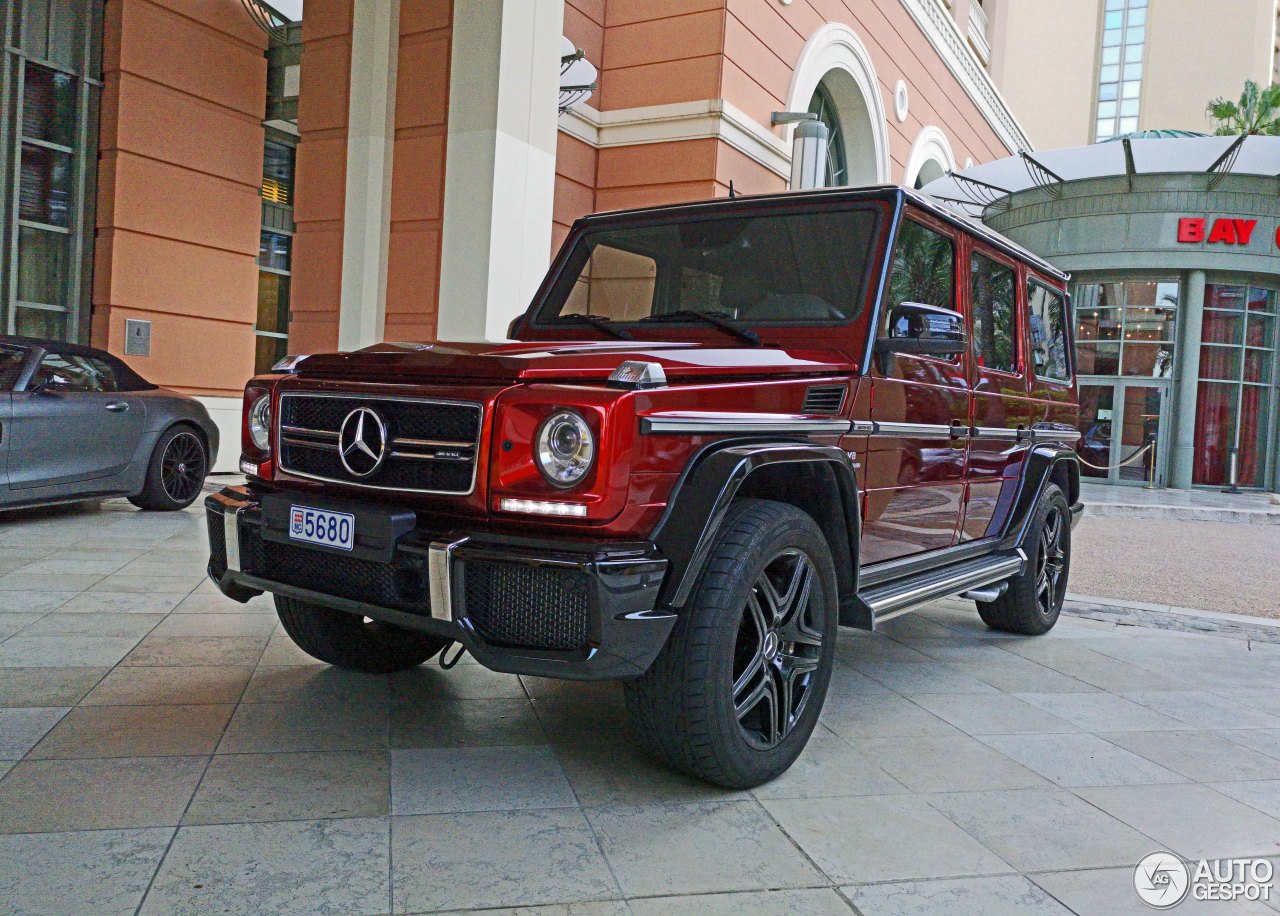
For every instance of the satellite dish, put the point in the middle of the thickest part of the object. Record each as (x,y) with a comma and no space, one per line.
(577,76)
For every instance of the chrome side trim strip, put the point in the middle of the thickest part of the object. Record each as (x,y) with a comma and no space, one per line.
(892,603)
(1003,433)
(863,428)
(743,423)
(920,430)
(231,531)
(1056,435)
(439,561)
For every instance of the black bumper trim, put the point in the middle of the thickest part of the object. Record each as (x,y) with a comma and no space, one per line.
(625,630)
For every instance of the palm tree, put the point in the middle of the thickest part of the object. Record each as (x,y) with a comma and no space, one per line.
(1257,112)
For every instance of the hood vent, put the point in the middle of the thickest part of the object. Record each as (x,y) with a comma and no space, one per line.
(824,399)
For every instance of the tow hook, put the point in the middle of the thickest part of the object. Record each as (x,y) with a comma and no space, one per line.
(447,663)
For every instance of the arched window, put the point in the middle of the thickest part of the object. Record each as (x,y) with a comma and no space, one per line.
(837,158)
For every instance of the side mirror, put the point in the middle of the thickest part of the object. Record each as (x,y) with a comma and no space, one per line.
(921,330)
(514,328)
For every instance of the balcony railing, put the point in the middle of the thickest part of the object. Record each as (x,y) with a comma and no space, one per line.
(978,32)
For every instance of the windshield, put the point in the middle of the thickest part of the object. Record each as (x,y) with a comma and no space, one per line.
(798,268)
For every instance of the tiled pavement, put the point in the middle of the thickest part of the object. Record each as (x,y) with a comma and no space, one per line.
(169,751)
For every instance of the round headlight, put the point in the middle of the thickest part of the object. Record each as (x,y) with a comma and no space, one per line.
(565,448)
(260,422)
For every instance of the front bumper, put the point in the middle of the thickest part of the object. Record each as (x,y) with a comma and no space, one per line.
(565,609)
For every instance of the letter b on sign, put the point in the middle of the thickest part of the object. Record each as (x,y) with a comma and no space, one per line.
(1190,229)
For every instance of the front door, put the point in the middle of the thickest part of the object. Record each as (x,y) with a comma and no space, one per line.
(1122,431)
(920,405)
(71,425)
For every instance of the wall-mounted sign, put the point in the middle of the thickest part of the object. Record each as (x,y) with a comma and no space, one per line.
(1220,231)
(137,337)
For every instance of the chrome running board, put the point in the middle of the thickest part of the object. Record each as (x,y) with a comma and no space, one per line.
(892,599)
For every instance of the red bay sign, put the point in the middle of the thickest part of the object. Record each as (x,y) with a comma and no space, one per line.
(1221,231)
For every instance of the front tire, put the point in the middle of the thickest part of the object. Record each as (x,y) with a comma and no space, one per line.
(348,641)
(175,475)
(737,690)
(1030,606)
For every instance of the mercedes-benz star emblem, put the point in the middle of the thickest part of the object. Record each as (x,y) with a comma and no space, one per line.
(362,442)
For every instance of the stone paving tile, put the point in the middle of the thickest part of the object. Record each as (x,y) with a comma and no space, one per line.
(195,651)
(46,796)
(22,729)
(496,859)
(430,684)
(1201,756)
(1100,712)
(136,731)
(47,686)
(293,786)
(1043,829)
(699,848)
(1262,795)
(885,838)
(64,651)
(100,871)
(1192,820)
(318,684)
(992,714)
(121,582)
(464,779)
(886,717)
(829,767)
(280,650)
(1266,740)
(216,625)
(6,766)
(336,726)
(1111,891)
(23,581)
(119,603)
(811,902)
(946,763)
(614,770)
(14,623)
(1266,699)
(29,601)
(105,624)
(137,686)
(1080,760)
(1008,895)
(325,866)
(1196,708)
(464,723)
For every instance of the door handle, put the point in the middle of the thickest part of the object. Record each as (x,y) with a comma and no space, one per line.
(960,430)
(118,406)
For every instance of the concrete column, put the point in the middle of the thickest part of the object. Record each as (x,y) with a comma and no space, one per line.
(375,46)
(500,164)
(1187,379)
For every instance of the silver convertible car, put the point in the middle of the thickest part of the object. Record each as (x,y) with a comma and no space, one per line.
(77,423)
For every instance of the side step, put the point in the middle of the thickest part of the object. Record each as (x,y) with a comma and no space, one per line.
(891,599)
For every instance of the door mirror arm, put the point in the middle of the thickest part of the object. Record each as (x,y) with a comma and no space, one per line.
(921,330)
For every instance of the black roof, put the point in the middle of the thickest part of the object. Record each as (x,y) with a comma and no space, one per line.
(126,373)
(891,193)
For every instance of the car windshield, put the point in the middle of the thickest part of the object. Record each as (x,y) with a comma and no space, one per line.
(796,268)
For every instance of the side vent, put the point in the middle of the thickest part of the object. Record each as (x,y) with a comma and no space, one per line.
(828,399)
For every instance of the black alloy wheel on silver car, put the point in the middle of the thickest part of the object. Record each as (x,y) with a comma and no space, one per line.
(176,473)
(735,694)
(1032,602)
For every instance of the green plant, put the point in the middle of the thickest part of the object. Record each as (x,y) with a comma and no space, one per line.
(1257,112)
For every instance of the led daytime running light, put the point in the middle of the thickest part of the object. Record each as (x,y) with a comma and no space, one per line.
(544,507)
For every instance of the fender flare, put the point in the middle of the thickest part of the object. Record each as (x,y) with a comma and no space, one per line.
(1042,463)
(701,500)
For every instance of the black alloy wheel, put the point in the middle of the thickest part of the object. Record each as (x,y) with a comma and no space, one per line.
(1032,600)
(1051,565)
(777,651)
(182,467)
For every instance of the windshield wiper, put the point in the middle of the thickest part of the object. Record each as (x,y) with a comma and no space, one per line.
(713,319)
(597,321)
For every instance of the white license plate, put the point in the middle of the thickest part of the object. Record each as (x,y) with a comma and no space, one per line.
(320,526)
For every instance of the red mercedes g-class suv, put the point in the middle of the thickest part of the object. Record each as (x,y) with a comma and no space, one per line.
(720,430)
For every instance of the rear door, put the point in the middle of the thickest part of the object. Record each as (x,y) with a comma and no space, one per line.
(1002,411)
(70,424)
(920,406)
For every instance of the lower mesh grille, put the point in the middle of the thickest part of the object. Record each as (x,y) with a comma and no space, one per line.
(529,607)
(217,542)
(401,585)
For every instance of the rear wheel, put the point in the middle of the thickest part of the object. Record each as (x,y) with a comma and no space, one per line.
(353,642)
(1033,601)
(737,690)
(176,473)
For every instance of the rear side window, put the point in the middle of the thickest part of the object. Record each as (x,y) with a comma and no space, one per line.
(1047,319)
(11,361)
(995,291)
(924,268)
(72,372)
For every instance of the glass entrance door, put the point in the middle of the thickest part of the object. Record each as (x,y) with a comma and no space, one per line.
(1118,420)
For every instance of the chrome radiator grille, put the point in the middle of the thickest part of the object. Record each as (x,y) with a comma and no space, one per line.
(416,445)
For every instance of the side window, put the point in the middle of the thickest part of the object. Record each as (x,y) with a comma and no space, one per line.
(924,269)
(11,362)
(995,292)
(614,284)
(71,372)
(1047,320)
